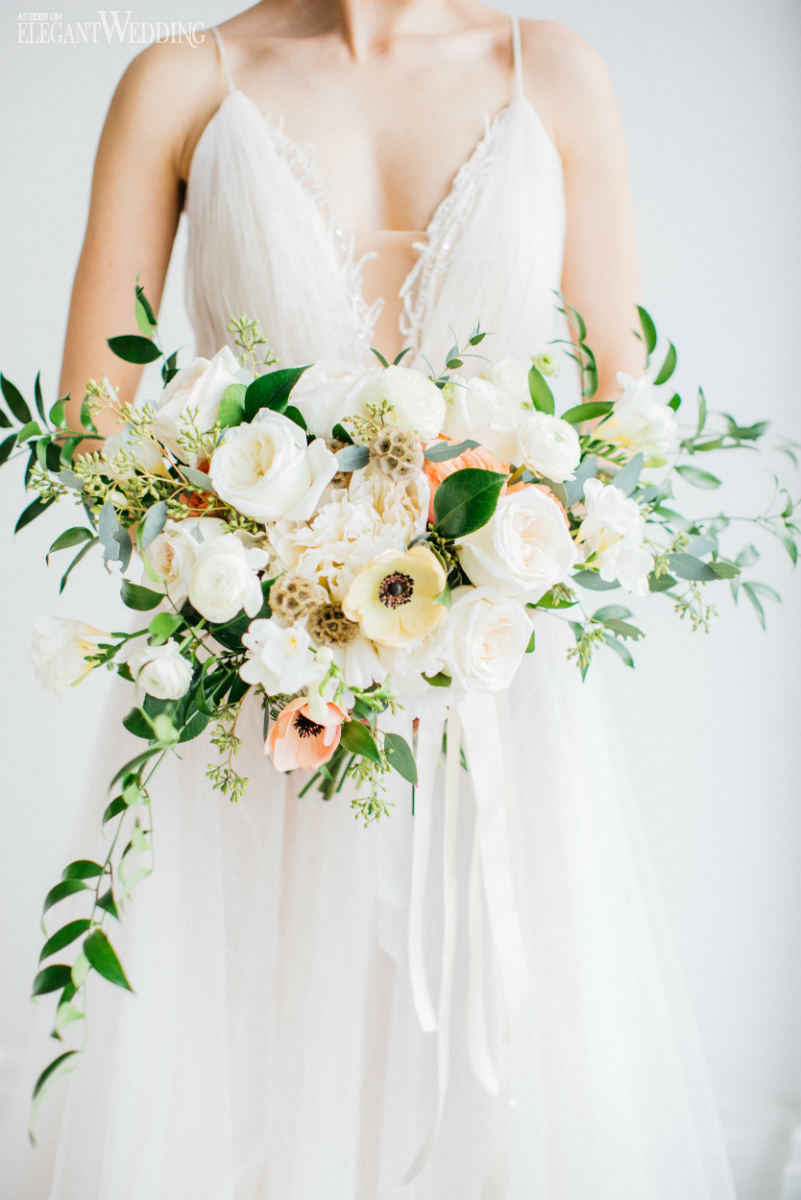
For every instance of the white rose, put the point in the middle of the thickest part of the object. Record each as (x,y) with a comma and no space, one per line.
(511,376)
(641,420)
(142,450)
(161,671)
(486,637)
(223,579)
(58,651)
(192,399)
(329,391)
(171,555)
(417,404)
(524,549)
(281,659)
(266,470)
(613,530)
(549,446)
(487,413)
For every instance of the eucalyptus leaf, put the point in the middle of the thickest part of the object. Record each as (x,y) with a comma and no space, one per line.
(593,582)
(357,739)
(198,479)
(615,612)
(687,566)
(400,757)
(628,476)
(660,583)
(620,650)
(154,522)
(443,451)
(697,477)
(352,458)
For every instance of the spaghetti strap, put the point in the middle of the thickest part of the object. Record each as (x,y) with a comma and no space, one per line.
(223,56)
(517,56)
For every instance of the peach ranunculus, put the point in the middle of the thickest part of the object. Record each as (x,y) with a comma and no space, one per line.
(295,740)
(479,457)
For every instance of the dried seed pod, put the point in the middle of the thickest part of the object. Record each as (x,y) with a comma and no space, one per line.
(397,452)
(293,596)
(328,626)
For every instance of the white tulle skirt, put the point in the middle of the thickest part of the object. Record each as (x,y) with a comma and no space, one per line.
(273,1050)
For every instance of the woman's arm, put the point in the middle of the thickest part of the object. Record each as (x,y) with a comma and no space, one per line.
(601,266)
(136,202)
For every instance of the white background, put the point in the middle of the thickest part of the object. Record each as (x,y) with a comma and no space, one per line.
(709,92)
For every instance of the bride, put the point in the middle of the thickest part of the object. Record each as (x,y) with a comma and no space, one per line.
(384,174)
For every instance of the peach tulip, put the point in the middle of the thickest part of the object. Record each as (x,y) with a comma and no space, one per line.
(479,457)
(295,740)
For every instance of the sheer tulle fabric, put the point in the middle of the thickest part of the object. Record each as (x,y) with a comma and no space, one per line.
(272,1051)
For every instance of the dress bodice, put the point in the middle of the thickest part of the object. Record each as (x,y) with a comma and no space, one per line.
(264,239)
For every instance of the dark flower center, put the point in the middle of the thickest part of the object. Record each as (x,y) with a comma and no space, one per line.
(306,727)
(396,589)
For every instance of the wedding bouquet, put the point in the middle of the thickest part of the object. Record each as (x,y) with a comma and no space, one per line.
(335,540)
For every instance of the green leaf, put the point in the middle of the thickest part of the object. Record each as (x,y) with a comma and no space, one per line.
(438,680)
(66,1013)
(352,458)
(67,887)
(137,723)
(83,550)
(554,601)
(687,566)
(620,650)
(789,543)
(648,329)
(108,904)
(70,537)
(232,405)
(702,413)
(163,626)
(539,390)
(132,348)
(271,390)
(102,956)
(6,447)
(660,583)
(154,522)
(613,612)
(341,434)
(51,1069)
(32,429)
(138,597)
(400,757)
(674,402)
(379,356)
(51,979)
(587,469)
(82,868)
(358,740)
(169,368)
(593,582)
(698,478)
(34,510)
(628,476)
(37,395)
(57,412)
(466,501)
(668,366)
(14,400)
(587,412)
(623,629)
(198,479)
(295,415)
(751,593)
(114,808)
(64,936)
(724,569)
(133,765)
(443,451)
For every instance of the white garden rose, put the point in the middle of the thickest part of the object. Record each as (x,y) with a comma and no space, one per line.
(223,578)
(171,555)
(161,671)
(125,450)
(417,404)
(58,651)
(282,659)
(486,637)
(266,471)
(524,549)
(488,408)
(192,400)
(613,530)
(329,391)
(549,446)
(640,420)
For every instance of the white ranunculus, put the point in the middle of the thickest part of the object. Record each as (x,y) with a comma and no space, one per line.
(549,446)
(640,420)
(192,400)
(266,471)
(329,391)
(58,651)
(417,404)
(146,454)
(281,659)
(488,408)
(511,376)
(613,530)
(171,555)
(161,671)
(223,578)
(486,636)
(524,549)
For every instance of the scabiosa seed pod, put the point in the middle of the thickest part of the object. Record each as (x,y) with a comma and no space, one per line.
(342,478)
(293,596)
(397,452)
(328,626)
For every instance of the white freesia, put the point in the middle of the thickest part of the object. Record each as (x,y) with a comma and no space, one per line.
(126,450)
(549,446)
(282,659)
(613,530)
(172,553)
(223,578)
(161,671)
(266,471)
(640,420)
(524,549)
(416,403)
(488,408)
(58,650)
(375,513)
(192,400)
(329,391)
(486,637)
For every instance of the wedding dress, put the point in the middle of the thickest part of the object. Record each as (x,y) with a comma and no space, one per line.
(274,1048)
